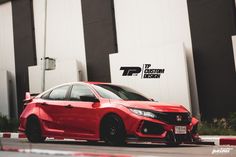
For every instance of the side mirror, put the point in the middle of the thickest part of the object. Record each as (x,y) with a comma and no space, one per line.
(151,99)
(89,98)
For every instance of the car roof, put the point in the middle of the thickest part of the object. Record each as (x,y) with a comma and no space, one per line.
(88,82)
(71,83)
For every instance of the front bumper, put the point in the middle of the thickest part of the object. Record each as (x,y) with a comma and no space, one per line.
(170,137)
(152,130)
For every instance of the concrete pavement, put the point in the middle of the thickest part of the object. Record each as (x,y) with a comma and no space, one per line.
(83,149)
(210,139)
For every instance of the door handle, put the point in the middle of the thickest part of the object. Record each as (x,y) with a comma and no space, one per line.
(69,106)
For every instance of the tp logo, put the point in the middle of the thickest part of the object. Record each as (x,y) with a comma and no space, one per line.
(146,72)
(130,71)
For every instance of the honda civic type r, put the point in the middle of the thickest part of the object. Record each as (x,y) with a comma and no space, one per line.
(96,111)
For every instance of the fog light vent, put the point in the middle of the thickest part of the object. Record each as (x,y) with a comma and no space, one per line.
(152,128)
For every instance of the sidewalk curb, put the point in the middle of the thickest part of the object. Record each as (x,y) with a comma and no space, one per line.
(219,140)
(12,135)
(228,141)
(207,140)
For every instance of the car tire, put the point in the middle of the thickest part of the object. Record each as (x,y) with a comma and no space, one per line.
(33,130)
(113,130)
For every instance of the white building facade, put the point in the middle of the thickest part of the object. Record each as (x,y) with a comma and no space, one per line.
(94,40)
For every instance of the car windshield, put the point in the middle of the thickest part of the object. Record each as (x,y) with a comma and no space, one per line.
(118,92)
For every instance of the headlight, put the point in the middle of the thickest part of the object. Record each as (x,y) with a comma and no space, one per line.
(143,113)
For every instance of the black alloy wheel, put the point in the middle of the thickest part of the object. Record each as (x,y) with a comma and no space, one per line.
(113,130)
(33,130)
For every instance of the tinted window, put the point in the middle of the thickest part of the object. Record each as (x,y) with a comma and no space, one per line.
(105,93)
(45,95)
(80,90)
(118,92)
(59,93)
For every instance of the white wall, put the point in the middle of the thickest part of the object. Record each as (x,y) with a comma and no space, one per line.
(35,79)
(234,49)
(143,28)
(60,76)
(54,77)
(171,87)
(7,57)
(64,36)
(4,95)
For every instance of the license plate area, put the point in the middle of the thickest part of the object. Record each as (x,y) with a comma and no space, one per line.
(180,130)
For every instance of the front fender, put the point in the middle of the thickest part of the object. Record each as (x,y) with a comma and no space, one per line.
(194,121)
(130,120)
(31,109)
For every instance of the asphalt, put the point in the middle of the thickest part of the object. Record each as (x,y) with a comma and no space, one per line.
(99,149)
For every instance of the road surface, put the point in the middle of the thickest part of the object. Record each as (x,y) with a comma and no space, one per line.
(83,148)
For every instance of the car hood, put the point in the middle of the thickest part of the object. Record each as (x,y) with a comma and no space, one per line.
(151,105)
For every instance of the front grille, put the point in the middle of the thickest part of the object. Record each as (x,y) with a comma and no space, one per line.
(170,137)
(152,128)
(172,118)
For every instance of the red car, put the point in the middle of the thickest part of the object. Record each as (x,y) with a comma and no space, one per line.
(96,111)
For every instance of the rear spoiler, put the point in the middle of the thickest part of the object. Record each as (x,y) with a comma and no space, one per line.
(29,97)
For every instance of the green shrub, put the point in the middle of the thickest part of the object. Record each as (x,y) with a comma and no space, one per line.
(219,126)
(8,124)
(232,120)
(206,128)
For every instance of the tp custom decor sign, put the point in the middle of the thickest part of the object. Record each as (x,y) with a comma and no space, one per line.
(146,71)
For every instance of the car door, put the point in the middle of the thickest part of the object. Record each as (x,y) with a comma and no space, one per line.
(82,120)
(53,111)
